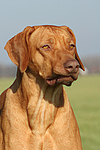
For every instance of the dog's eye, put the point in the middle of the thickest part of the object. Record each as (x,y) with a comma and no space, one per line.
(72,46)
(45,46)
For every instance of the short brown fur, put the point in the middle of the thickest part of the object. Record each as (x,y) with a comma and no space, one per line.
(35,112)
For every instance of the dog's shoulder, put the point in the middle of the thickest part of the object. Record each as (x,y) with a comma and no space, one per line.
(2,98)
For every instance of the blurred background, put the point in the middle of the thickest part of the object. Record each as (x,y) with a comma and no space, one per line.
(83,17)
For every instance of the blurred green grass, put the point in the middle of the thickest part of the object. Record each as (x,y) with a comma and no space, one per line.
(84,96)
(5,83)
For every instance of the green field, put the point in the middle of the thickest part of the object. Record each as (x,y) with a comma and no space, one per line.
(84,96)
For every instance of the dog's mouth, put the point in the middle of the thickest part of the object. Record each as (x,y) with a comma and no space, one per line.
(60,79)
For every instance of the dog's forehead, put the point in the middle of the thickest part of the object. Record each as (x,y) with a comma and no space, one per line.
(49,32)
(54,30)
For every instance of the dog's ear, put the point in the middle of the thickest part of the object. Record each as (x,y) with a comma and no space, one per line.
(79,60)
(76,54)
(17,48)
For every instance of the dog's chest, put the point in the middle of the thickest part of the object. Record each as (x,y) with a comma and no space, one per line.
(42,117)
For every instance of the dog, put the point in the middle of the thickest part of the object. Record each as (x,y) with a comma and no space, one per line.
(35,113)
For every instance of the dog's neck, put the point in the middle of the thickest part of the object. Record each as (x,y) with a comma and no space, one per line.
(42,101)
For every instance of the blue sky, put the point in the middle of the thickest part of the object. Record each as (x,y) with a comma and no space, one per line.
(82,16)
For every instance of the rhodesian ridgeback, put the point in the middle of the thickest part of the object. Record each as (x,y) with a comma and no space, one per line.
(35,113)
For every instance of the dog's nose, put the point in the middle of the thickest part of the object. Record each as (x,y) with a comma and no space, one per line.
(72,66)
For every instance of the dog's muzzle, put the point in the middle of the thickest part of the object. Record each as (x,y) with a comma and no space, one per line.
(72,71)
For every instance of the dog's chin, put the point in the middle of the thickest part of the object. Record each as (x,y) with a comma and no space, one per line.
(65,80)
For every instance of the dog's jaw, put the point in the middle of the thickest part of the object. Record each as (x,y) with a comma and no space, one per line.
(65,80)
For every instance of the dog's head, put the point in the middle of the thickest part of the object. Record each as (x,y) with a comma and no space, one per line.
(48,51)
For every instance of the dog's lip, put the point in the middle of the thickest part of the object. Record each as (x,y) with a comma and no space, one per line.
(66,80)
(51,81)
